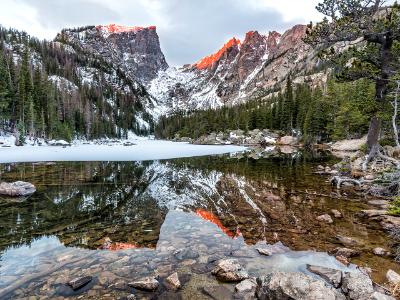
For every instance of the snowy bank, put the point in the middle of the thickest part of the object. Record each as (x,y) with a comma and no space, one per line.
(143,150)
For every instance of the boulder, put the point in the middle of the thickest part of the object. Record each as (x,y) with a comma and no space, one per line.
(357,286)
(349,145)
(393,277)
(294,285)
(246,289)
(229,270)
(246,285)
(17,189)
(287,140)
(332,276)
(173,282)
(145,284)
(325,218)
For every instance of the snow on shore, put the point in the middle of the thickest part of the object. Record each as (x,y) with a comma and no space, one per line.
(142,150)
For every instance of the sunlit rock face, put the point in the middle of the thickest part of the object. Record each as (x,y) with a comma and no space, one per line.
(236,72)
(136,50)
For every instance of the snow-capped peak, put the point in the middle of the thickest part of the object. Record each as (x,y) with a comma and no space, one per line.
(114,28)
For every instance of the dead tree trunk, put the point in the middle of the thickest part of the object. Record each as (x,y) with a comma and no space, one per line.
(394,117)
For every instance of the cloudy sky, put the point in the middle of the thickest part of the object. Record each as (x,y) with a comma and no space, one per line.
(188,29)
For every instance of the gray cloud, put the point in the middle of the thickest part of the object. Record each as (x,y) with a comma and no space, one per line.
(188,29)
(71,13)
(201,27)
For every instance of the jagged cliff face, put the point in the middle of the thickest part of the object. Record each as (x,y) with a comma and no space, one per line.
(237,72)
(136,50)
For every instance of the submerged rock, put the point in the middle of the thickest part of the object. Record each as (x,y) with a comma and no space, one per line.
(332,276)
(173,282)
(345,252)
(230,270)
(337,214)
(146,284)
(17,189)
(380,251)
(325,218)
(392,277)
(298,286)
(347,241)
(264,251)
(79,282)
(217,292)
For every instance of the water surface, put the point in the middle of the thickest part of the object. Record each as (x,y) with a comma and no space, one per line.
(119,221)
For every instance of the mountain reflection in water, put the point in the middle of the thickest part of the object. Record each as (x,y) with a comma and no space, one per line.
(123,205)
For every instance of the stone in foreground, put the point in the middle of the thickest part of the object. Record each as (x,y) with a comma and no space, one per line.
(331,276)
(230,270)
(79,282)
(17,189)
(246,289)
(393,277)
(145,284)
(357,286)
(173,282)
(294,285)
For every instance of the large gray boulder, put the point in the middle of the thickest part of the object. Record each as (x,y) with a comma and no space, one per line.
(296,286)
(230,270)
(332,276)
(357,286)
(17,189)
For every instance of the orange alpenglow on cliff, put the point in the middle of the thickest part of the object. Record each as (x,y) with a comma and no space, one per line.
(113,28)
(209,60)
(210,217)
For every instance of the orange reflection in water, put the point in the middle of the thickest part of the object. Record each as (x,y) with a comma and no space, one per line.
(210,217)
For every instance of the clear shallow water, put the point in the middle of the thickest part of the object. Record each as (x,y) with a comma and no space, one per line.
(119,221)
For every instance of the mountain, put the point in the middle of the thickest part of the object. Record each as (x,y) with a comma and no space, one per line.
(69,91)
(107,80)
(236,72)
(136,50)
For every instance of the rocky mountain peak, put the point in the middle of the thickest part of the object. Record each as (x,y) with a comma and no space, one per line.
(209,62)
(136,50)
(273,40)
(114,28)
(291,38)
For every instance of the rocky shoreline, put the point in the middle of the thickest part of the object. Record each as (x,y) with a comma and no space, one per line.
(234,282)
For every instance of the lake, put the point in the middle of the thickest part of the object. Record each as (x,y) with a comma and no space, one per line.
(123,220)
